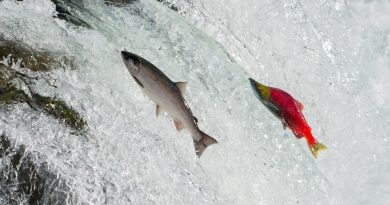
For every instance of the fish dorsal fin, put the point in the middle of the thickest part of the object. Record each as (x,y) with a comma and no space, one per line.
(182,87)
(158,110)
(299,105)
(179,125)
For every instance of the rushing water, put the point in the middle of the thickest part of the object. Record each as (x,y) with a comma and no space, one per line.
(334,56)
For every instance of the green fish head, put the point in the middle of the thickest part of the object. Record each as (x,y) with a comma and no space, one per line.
(261,91)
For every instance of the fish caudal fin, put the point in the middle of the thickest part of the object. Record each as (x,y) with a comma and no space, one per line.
(203,143)
(316,148)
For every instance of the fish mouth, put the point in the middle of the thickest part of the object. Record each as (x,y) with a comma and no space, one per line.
(253,84)
(255,89)
(130,57)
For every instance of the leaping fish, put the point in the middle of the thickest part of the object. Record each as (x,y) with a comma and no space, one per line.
(168,97)
(289,111)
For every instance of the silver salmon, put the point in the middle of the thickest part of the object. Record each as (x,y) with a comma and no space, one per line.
(168,97)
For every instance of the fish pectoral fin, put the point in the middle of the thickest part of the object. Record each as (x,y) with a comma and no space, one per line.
(179,125)
(299,105)
(158,110)
(272,108)
(182,87)
(137,81)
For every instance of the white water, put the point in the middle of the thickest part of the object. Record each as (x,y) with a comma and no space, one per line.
(334,56)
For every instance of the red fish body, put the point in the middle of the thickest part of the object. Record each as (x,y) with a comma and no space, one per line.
(289,111)
(291,114)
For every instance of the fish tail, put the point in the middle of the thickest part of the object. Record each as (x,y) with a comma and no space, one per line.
(315,148)
(203,143)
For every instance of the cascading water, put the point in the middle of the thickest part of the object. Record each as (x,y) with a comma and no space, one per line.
(331,55)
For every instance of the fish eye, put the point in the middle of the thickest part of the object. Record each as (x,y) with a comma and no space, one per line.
(131,58)
(137,68)
(135,61)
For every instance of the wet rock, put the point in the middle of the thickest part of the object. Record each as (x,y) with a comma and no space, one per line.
(51,106)
(34,60)
(12,95)
(66,8)
(9,94)
(170,5)
(11,82)
(59,110)
(74,11)
(24,180)
(119,3)
(5,145)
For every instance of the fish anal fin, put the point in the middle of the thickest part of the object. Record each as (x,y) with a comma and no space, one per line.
(299,105)
(182,87)
(179,125)
(284,124)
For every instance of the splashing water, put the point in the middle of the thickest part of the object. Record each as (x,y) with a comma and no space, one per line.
(333,56)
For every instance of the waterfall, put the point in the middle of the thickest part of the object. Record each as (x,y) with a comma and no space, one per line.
(76,129)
